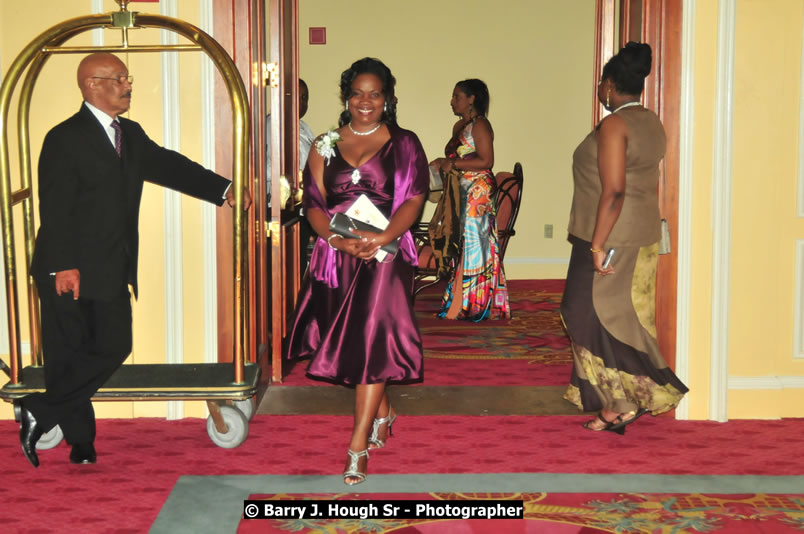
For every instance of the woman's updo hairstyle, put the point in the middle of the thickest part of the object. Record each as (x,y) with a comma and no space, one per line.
(629,68)
(369,65)
(478,89)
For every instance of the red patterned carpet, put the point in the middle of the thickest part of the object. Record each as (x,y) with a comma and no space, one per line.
(565,513)
(140,460)
(531,349)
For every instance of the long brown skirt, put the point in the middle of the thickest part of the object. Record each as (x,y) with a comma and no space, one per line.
(611,323)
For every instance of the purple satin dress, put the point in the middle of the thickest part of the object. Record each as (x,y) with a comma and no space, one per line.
(355,319)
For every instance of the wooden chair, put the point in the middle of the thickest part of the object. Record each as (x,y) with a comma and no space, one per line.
(509,197)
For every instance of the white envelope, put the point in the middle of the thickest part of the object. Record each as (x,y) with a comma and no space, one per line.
(365,211)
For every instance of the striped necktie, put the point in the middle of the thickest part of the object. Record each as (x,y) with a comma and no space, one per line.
(118,137)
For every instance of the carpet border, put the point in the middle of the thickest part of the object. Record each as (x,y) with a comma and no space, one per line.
(220,496)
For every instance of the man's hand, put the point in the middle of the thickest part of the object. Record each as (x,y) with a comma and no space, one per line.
(67,281)
(231,200)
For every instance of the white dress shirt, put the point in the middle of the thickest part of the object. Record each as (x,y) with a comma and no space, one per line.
(105,120)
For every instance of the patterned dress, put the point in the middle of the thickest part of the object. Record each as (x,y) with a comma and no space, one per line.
(484,292)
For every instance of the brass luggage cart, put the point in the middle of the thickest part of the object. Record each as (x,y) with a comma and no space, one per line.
(228,388)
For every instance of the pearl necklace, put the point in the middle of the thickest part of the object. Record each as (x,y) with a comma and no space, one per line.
(628,105)
(365,133)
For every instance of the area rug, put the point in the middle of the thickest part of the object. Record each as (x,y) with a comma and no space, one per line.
(534,332)
(552,501)
(557,513)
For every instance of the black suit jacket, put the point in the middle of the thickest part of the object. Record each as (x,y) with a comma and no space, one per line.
(89,200)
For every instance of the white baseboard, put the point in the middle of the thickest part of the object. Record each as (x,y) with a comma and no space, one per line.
(766,382)
(536,261)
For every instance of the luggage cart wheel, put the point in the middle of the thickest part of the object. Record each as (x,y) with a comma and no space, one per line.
(247,406)
(235,426)
(50,439)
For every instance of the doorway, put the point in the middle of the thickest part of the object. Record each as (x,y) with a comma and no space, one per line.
(536,58)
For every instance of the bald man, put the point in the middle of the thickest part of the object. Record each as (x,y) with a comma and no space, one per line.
(91,172)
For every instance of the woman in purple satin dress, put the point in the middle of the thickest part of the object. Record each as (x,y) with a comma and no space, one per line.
(354,317)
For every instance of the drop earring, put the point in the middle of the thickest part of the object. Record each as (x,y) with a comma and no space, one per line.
(385,107)
(608,96)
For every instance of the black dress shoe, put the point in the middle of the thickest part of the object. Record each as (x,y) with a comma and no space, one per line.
(30,432)
(83,453)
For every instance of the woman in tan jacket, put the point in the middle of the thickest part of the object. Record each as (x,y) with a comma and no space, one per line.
(608,306)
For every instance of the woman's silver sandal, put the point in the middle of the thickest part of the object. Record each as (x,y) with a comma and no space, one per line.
(351,471)
(374,439)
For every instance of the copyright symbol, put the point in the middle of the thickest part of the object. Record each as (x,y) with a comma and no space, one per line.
(252,510)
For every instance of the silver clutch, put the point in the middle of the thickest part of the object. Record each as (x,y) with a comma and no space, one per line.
(664,240)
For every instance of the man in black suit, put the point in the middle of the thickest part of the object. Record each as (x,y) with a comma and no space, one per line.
(91,172)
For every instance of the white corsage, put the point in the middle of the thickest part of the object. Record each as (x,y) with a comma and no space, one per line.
(326,144)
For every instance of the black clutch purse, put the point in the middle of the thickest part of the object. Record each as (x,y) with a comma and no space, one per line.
(343,224)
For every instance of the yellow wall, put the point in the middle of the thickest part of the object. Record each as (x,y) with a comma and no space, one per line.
(536,57)
(765,226)
(701,247)
(767,93)
(767,79)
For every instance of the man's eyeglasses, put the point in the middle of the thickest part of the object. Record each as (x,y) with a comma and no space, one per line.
(119,79)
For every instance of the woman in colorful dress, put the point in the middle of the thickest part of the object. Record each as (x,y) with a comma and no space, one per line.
(476,289)
(354,317)
(609,308)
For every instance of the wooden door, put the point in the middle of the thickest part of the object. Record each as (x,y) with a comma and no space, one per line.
(240,28)
(658,23)
(262,38)
(283,56)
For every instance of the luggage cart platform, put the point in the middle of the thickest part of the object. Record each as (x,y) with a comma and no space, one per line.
(158,381)
(231,405)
